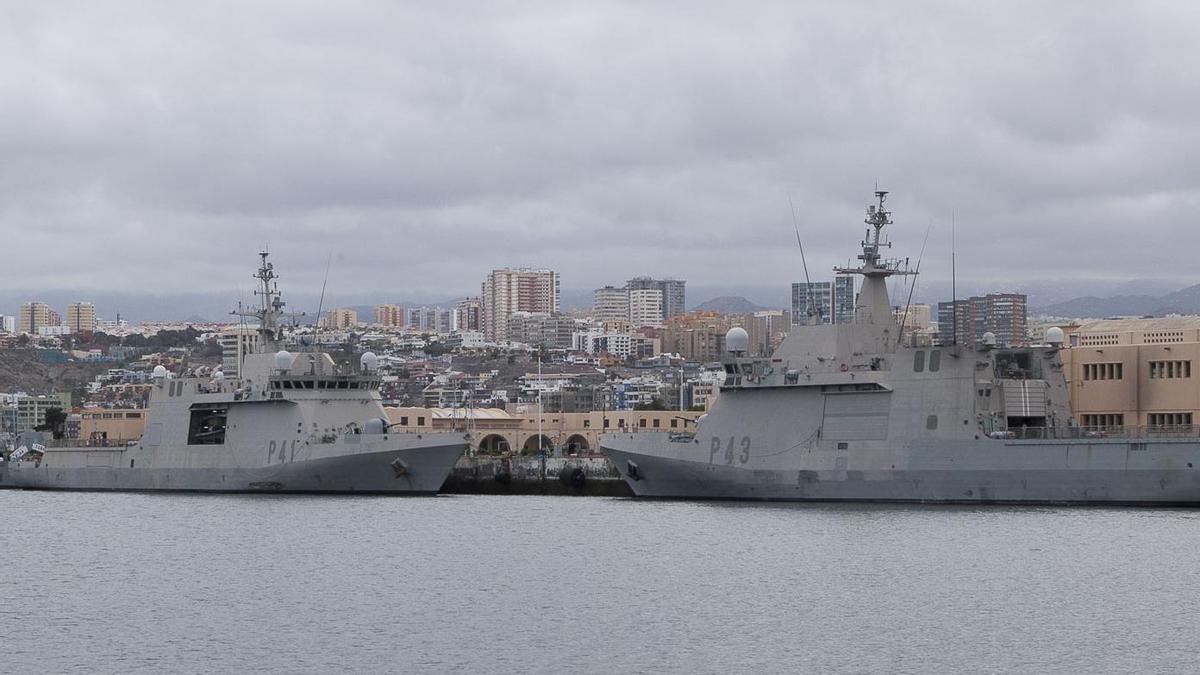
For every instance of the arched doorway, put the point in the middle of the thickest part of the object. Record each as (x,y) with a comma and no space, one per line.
(493,444)
(576,444)
(530,447)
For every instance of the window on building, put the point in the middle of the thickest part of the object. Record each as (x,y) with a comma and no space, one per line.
(674,423)
(587,424)
(642,423)
(403,420)
(1103,371)
(657,423)
(1102,420)
(1170,369)
(420,421)
(1171,419)
(606,423)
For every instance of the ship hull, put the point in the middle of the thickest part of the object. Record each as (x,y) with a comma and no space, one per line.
(1164,474)
(408,471)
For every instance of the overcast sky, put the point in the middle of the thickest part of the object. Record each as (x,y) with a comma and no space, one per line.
(157,146)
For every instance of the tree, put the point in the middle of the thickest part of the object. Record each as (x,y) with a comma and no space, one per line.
(56,422)
(656,404)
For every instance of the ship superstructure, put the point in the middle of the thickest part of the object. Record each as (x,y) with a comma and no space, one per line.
(286,423)
(855,412)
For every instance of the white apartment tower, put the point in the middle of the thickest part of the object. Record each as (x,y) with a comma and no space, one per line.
(610,304)
(645,307)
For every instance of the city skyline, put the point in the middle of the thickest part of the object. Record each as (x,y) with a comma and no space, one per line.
(618,140)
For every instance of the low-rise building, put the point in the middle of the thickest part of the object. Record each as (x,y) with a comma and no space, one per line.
(1134,372)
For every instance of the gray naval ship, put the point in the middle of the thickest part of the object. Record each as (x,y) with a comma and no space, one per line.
(853,412)
(287,423)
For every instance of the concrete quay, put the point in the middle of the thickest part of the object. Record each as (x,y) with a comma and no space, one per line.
(530,475)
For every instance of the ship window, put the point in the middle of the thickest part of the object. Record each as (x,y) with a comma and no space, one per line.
(207,426)
(918,361)
(308,384)
(931,422)
(343,385)
(935,360)
(287,384)
(322,384)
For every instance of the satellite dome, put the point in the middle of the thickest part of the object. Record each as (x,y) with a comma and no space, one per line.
(1054,336)
(737,340)
(283,359)
(160,373)
(989,339)
(368,361)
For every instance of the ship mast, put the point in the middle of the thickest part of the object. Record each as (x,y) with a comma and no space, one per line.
(873,306)
(269,314)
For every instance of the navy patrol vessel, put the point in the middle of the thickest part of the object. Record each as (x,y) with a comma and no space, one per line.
(853,412)
(286,423)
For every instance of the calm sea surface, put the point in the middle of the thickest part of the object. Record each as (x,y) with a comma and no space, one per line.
(126,582)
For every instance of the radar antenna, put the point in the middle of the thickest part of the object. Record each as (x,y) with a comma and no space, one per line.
(270,312)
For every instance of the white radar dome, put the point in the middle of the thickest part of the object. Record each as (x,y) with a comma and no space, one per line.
(160,373)
(1054,335)
(368,361)
(283,359)
(737,340)
(989,339)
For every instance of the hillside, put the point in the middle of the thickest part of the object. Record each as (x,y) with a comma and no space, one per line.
(729,304)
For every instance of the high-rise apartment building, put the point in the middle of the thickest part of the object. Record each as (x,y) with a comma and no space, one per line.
(832,302)
(468,315)
(339,319)
(34,316)
(236,343)
(674,293)
(389,316)
(430,319)
(81,317)
(645,307)
(610,303)
(516,290)
(965,321)
(8,324)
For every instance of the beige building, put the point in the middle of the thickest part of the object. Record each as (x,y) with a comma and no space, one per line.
(103,426)
(33,316)
(339,319)
(1134,372)
(81,317)
(507,290)
(468,315)
(389,316)
(496,431)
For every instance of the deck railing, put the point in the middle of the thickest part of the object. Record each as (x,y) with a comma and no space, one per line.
(1100,432)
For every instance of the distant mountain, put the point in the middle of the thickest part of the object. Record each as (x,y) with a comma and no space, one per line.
(1184,301)
(729,304)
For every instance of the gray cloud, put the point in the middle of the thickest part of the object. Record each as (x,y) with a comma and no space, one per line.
(155,148)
